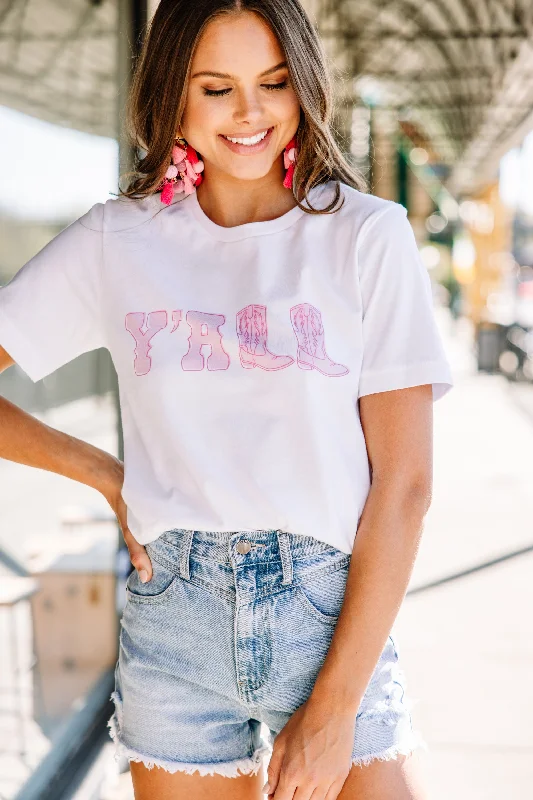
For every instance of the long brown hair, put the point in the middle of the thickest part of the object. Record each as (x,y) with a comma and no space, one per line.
(157,97)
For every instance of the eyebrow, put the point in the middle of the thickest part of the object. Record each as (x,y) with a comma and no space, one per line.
(231,77)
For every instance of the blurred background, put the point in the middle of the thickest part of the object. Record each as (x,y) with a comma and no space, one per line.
(435,106)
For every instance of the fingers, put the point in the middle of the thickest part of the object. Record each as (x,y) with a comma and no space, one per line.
(138,557)
(274,769)
(334,791)
(286,788)
(282,782)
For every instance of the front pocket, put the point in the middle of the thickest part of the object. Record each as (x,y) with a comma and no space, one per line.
(322,591)
(156,589)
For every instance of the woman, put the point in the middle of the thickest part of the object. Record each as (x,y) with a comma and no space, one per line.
(306,419)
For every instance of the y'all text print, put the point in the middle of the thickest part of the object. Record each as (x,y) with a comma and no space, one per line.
(252,333)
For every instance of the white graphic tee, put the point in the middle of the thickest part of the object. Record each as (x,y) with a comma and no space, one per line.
(240,352)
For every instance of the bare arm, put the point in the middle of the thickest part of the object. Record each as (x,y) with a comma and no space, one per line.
(27,440)
(314,748)
(398,432)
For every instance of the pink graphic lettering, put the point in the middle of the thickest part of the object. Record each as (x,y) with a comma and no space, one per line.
(176,319)
(307,325)
(205,330)
(134,321)
(252,332)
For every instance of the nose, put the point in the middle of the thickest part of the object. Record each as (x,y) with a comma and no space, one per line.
(249,106)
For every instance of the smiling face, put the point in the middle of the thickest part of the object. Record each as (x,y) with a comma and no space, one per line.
(250,100)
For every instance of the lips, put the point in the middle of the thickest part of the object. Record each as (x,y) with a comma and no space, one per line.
(245,135)
(248,149)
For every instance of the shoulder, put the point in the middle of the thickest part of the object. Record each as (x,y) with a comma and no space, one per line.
(366,209)
(119,213)
(359,210)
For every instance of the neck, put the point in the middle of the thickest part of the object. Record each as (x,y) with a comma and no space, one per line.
(229,202)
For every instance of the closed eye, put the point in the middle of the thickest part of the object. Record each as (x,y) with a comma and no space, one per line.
(269,86)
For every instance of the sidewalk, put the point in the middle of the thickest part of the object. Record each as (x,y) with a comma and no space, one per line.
(466,646)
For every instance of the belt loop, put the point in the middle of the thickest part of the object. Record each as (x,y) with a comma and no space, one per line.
(286,555)
(187,537)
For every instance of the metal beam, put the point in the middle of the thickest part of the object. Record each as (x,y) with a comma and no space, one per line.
(52,36)
(425,35)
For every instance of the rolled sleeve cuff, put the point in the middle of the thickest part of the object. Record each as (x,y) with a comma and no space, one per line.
(14,341)
(436,373)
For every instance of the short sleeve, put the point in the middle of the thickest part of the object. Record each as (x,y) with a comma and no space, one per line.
(50,311)
(402,346)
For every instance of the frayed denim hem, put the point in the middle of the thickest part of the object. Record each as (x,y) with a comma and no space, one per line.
(228,769)
(413,742)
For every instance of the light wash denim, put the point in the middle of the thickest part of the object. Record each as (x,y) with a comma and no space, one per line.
(228,635)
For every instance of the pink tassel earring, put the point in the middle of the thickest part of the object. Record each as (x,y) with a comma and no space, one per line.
(183,174)
(290,155)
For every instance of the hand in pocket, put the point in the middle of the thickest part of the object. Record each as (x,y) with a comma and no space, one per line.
(138,555)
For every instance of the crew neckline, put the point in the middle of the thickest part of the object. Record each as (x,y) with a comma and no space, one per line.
(247,229)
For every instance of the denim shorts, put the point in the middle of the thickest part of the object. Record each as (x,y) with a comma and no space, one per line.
(230,633)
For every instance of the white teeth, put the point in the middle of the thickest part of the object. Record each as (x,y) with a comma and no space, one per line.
(251,140)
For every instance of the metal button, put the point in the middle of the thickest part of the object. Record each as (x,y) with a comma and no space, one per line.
(244,546)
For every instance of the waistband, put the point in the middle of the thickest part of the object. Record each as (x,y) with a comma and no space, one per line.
(241,548)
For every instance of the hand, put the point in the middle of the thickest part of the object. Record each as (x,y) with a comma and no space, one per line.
(113,494)
(312,754)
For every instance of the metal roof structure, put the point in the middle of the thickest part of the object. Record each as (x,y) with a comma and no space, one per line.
(460,70)
(58,61)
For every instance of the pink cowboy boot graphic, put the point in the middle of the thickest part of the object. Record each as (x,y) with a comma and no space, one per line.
(252,332)
(307,325)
